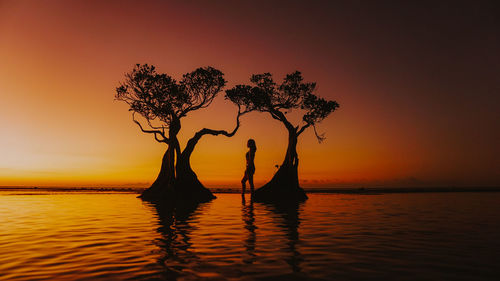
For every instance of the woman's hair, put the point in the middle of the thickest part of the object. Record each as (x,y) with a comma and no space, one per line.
(251,144)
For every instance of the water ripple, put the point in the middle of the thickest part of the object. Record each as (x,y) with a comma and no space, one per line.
(82,236)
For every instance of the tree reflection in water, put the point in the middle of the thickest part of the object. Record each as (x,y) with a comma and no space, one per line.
(289,222)
(184,251)
(174,246)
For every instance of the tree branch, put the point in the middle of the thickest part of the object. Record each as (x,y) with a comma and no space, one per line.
(301,130)
(320,137)
(156,127)
(278,115)
(155,132)
(205,131)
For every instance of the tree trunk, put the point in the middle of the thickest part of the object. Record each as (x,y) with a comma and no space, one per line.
(166,177)
(162,188)
(285,183)
(187,185)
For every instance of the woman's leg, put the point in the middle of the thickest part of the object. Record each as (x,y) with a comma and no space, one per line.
(243,183)
(250,181)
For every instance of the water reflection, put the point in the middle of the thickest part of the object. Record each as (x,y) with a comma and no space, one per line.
(342,237)
(289,220)
(247,211)
(184,252)
(175,246)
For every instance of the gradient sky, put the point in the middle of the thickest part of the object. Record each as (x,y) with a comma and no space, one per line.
(418,88)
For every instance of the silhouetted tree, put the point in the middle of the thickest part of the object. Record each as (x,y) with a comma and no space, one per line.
(277,100)
(163,102)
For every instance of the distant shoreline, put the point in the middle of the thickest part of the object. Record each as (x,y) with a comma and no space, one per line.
(332,190)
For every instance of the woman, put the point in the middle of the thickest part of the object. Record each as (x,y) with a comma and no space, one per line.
(250,170)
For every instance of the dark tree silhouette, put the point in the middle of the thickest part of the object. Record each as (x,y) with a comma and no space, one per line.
(277,100)
(163,102)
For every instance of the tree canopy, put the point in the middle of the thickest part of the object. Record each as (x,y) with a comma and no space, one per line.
(159,97)
(265,95)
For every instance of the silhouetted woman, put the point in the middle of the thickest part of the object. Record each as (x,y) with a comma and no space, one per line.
(250,170)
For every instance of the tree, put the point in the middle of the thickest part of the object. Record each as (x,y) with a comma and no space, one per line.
(277,100)
(162,102)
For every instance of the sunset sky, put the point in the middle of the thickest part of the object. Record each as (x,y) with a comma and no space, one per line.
(418,87)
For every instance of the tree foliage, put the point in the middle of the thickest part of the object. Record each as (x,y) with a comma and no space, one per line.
(159,97)
(265,95)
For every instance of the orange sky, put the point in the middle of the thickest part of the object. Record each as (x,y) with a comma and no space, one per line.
(417,86)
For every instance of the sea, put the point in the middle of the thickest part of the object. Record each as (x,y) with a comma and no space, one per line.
(111,235)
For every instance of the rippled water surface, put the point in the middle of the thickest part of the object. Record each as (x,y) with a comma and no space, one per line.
(92,236)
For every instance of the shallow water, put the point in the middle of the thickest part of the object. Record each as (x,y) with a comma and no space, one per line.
(95,236)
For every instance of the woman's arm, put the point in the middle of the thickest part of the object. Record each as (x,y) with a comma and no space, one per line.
(252,156)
